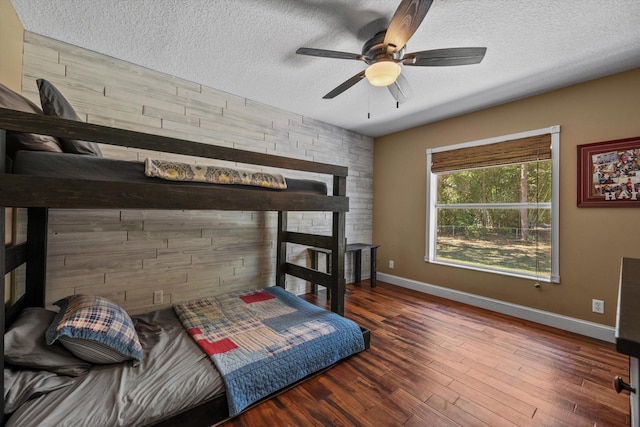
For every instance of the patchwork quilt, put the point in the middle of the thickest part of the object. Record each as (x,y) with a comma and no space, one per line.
(264,340)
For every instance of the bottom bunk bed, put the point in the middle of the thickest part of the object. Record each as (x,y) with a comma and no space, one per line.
(259,341)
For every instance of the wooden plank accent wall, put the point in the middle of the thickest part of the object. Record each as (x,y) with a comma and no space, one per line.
(126,255)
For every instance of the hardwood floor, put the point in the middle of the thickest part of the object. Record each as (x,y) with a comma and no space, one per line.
(435,362)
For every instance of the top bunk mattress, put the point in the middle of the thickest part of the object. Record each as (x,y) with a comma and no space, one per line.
(82,167)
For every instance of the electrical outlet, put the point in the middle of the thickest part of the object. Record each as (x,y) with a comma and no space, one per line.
(597,306)
(390,263)
(158,297)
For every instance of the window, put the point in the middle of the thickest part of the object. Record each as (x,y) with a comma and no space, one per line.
(492,205)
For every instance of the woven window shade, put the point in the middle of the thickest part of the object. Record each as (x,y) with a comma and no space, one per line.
(509,152)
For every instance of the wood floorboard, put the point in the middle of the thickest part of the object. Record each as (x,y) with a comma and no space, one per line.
(436,362)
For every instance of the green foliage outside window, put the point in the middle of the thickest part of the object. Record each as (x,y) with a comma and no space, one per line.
(490,217)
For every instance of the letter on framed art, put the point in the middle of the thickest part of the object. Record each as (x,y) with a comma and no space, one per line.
(609,173)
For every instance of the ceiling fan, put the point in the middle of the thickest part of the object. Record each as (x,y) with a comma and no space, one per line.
(385,52)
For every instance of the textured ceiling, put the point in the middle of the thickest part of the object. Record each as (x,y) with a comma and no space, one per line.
(247,48)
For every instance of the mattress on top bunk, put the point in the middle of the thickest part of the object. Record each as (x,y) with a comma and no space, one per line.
(77,166)
(174,374)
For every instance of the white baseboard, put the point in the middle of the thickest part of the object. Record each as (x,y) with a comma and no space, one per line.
(582,327)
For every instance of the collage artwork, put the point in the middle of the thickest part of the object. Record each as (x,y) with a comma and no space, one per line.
(616,174)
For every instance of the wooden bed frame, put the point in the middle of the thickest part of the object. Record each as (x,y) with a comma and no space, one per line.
(38,194)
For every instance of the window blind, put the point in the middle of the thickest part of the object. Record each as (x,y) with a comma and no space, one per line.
(528,149)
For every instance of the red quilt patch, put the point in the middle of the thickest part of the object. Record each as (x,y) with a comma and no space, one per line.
(257,297)
(194,331)
(211,348)
(218,347)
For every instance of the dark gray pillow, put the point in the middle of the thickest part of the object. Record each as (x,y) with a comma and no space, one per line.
(25,345)
(25,141)
(22,385)
(56,105)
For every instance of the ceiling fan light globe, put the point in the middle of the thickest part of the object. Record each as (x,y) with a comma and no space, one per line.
(382,73)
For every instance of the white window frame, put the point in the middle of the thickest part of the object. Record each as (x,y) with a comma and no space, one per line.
(432,192)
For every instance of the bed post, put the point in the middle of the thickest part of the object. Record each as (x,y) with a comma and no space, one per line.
(37,231)
(3,272)
(338,282)
(281,250)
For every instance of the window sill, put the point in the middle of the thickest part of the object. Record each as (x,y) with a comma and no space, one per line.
(534,277)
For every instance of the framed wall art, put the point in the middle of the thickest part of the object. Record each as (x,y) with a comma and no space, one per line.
(609,173)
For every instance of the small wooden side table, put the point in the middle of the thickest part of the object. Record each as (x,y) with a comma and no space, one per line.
(357,249)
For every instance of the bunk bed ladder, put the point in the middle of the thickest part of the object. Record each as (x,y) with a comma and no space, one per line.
(336,243)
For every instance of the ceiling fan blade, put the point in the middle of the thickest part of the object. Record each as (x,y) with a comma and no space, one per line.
(329,53)
(401,89)
(405,22)
(445,57)
(344,86)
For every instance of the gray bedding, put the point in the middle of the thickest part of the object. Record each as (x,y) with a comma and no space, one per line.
(76,166)
(174,374)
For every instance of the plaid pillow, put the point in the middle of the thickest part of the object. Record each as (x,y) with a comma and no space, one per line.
(95,329)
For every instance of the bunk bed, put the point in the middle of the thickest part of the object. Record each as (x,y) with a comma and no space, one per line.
(41,191)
